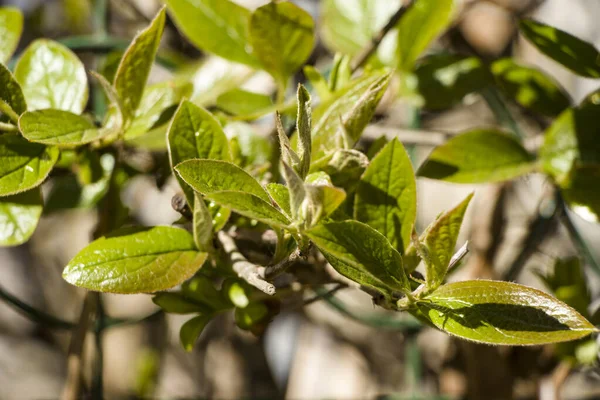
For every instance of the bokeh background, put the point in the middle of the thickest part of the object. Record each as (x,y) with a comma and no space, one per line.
(339,349)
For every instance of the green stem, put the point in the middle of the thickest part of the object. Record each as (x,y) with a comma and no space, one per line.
(6,127)
(98,368)
(100,17)
(501,112)
(9,112)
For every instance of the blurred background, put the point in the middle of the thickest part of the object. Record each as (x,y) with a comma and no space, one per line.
(343,348)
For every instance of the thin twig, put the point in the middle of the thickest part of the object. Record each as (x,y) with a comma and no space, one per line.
(368,51)
(458,256)
(98,369)
(274,270)
(325,295)
(251,273)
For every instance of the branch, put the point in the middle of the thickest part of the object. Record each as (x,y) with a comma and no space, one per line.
(284,264)
(251,273)
(458,256)
(7,127)
(368,51)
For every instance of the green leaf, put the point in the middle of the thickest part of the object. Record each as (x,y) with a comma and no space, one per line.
(362,248)
(191,330)
(530,87)
(321,201)
(296,189)
(344,167)
(216,26)
(201,290)
(304,126)
(60,128)
(135,66)
(255,148)
(25,165)
(11,27)
(52,76)
(237,292)
(114,118)
(502,313)
(19,216)
(580,57)
(568,283)
(253,314)
(10,93)
(243,102)
(195,133)
(250,206)
(136,261)
(209,176)
(282,36)
(203,226)
(176,303)
(582,192)
(386,197)
(478,156)
(421,24)
(281,195)
(445,79)
(317,81)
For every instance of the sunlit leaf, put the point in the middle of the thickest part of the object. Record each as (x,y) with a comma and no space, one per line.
(191,330)
(19,216)
(243,102)
(11,94)
(250,206)
(11,27)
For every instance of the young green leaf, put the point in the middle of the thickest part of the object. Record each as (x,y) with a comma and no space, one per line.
(216,26)
(386,197)
(445,79)
(11,25)
(502,313)
(203,226)
(176,303)
(250,206)
(282,36)
(362,248)
(136,261)
(114,118)
(135,66)
(25,165)
(12,100)
(303,123)
(281,195)
(320,202)
(209,176)
(573,53)
(191,330)
(476,157)
(344,167)
(52,76)
(341,72)
(59,128)
(424,22)
(243,102)
(201,290)
(19,216)
(317,81)
(195,133)
(296,190)
(530,87)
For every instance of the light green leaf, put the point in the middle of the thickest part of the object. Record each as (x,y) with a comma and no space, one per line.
(11,95)
(19,216)
(582,192)
(282,36)
(296,190)
(250,206)
(341,72)
(443,80)
(153,140)
(136,261)
(344,167)
(502,313)
(321,201)
(191,330)
(530,87)
(304,126)
(254,148)
(421,24)
(203,227)
(386,197)
(362,248)
(114,119)
(195,133)
(24,165)
(281,195)
(216,26)
(236,292)
(478,156)
(52,76)
(11,27)
(573,53)
(135,66)
(60,128)
(243,102)
(317,81)
(209,176)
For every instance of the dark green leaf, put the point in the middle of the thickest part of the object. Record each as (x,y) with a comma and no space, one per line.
(19,216)
(216,26)
(568,283)
(573,53)
(25,165)
(243,102)
(386,198)
(135,66)
(476,157)
(201,290)
(530,87)
(237,292)
(136,261)
(445,79)
(362,248)
(282,36)
(582,192)
(250,206)
(60,128)
(281,195)
(321,201)
(423,23)
(502,313)
(191,330)
(11,27)
(52,76)
(11,95)
(176,303)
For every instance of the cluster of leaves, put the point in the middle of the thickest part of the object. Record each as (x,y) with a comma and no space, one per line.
(358,210)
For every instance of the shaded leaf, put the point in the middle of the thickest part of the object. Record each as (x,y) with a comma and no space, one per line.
(281,195)
(321,201)
(386,197)
(582,192)
(478,156)
(304,126)
(255,313)
(19,216)
(11,27)
(503,313)
(136,261)
(203,226)
(52,76)
(176,303)
(10,93)
(201,290)
(575,54)
(250,206)
(191,330)
(243,102)
(568,283)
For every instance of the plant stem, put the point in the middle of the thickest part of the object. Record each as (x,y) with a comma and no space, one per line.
(368,51)
(9,112)
(501,111)
(6,127)
(98,376)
